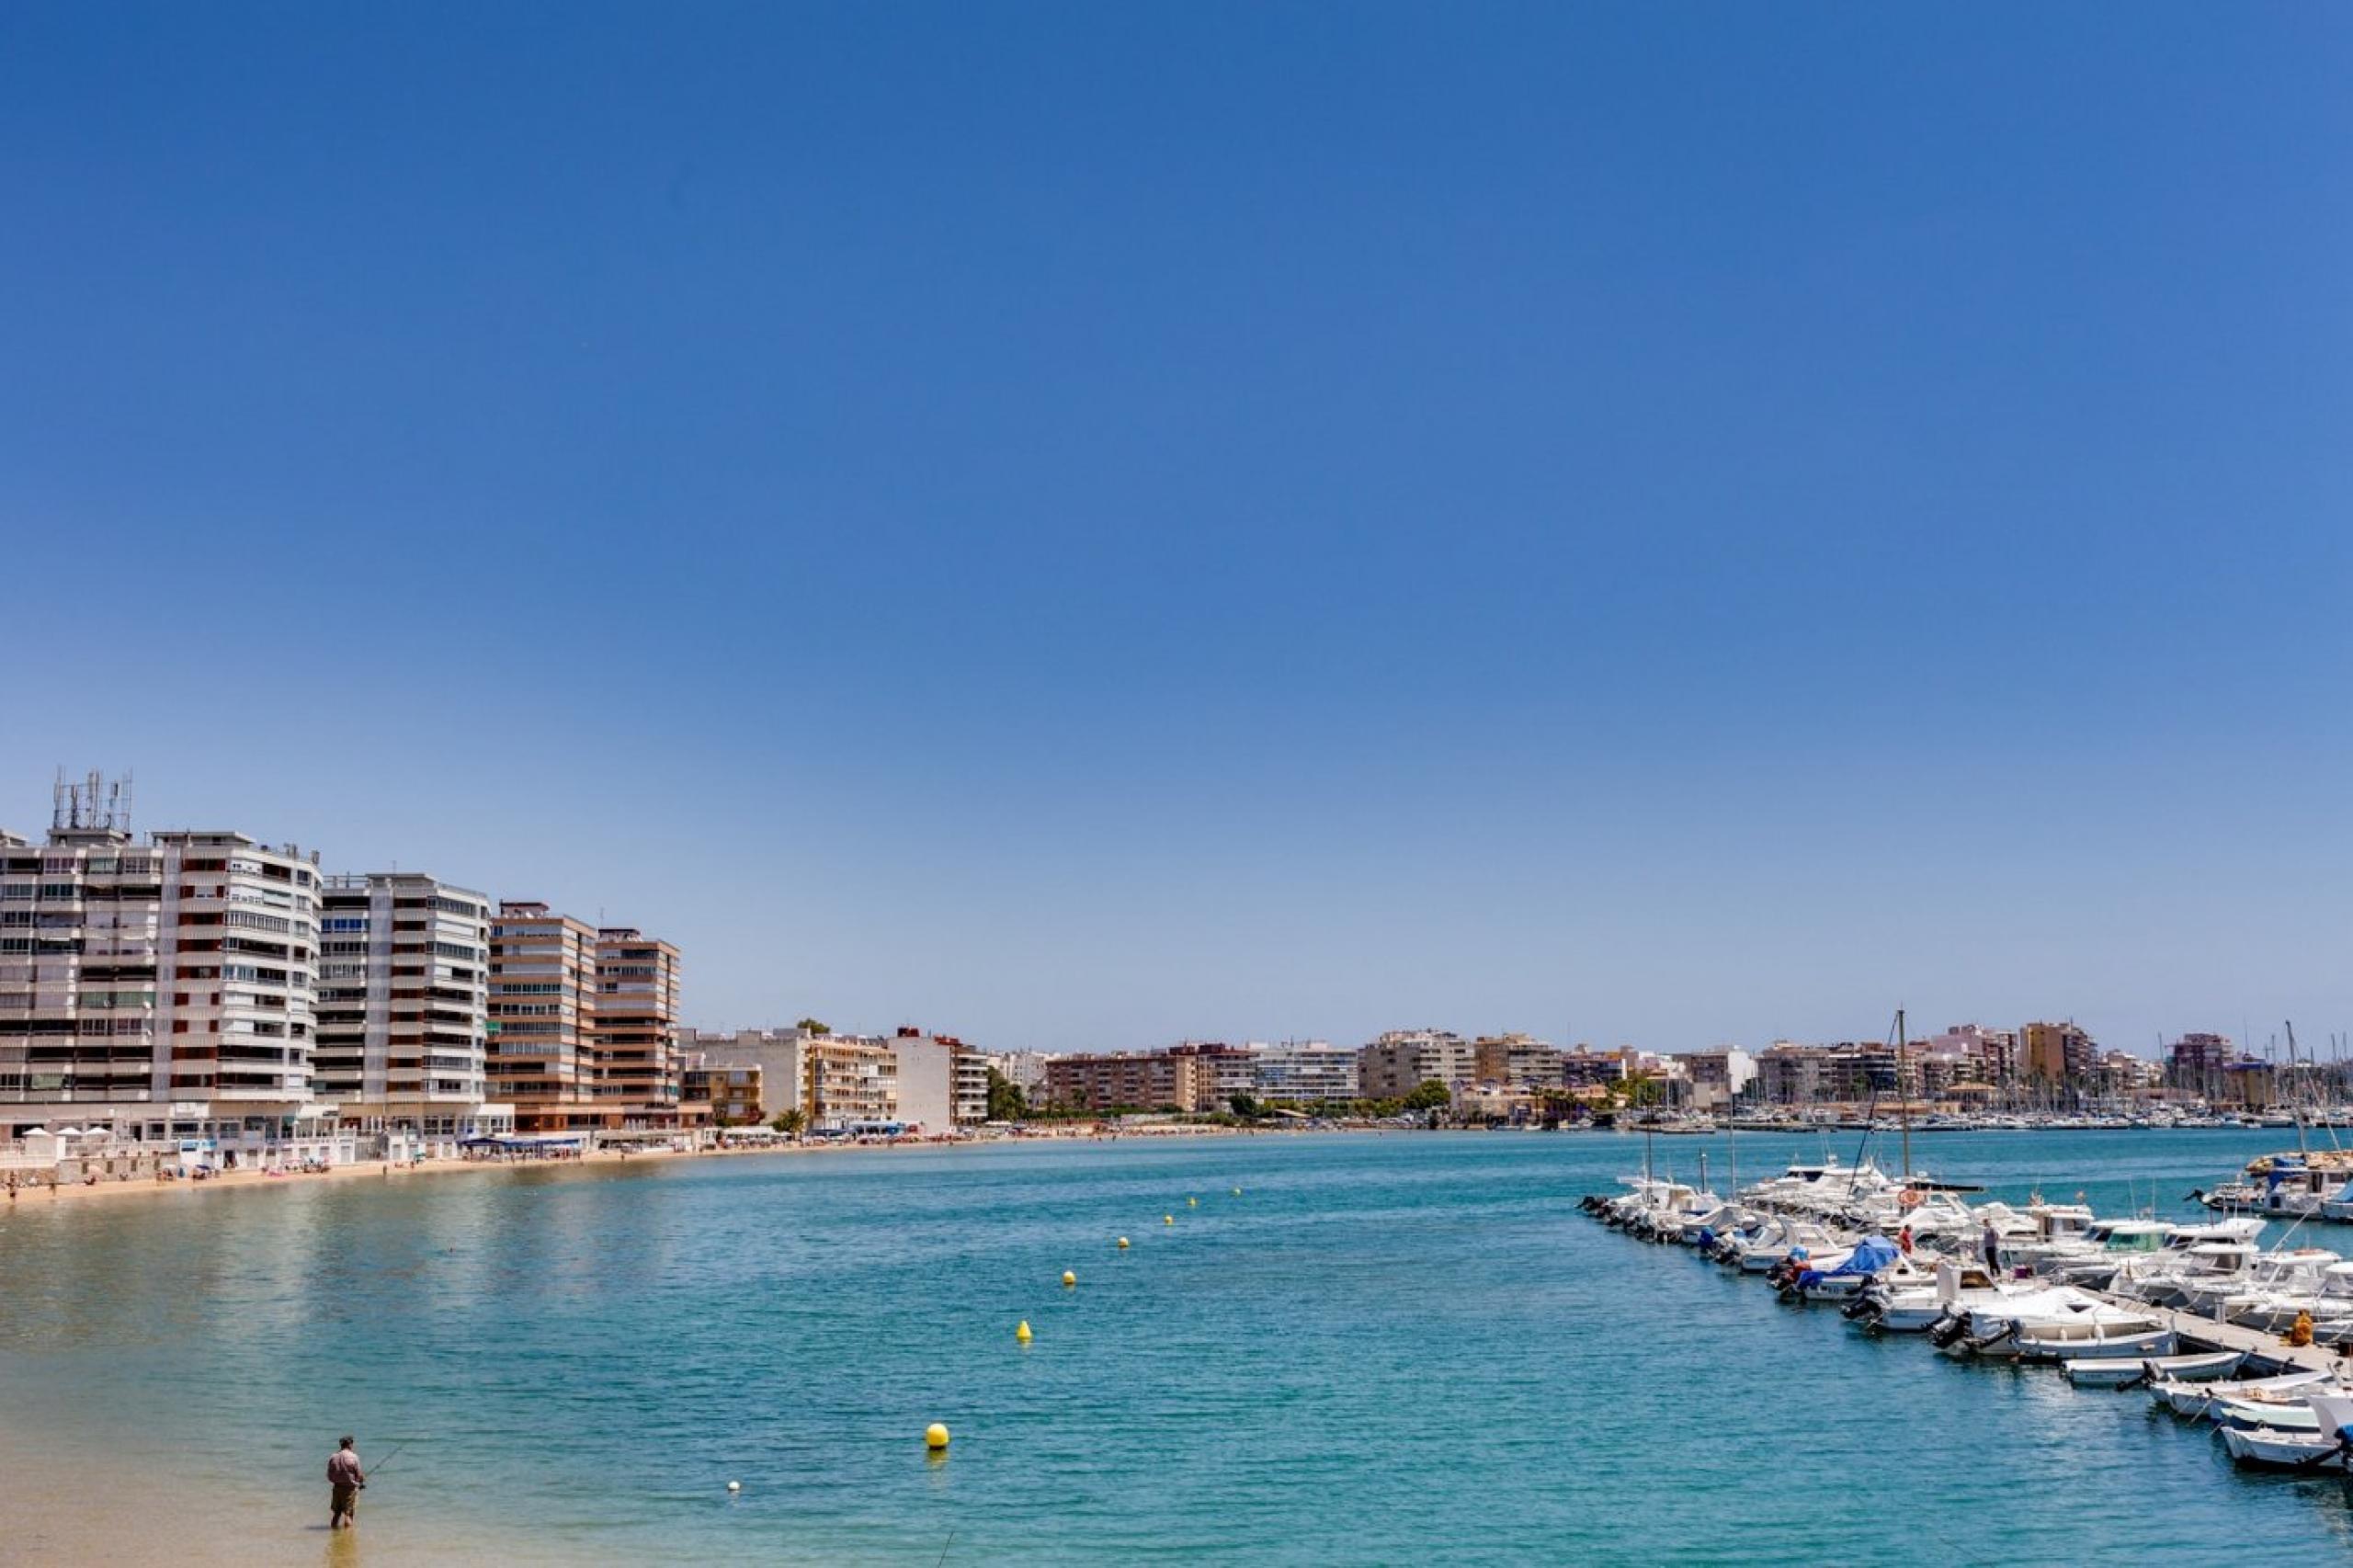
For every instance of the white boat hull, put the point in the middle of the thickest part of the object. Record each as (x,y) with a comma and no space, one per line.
(2109,1372)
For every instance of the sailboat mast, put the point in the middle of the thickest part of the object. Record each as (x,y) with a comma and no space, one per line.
(2295,1100)
(1903,1099)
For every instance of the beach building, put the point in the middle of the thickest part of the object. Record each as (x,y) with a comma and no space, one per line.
(732,1097)
(583,1022)
(1399,1062)
(542,995)
(848,1081)
(162,991)
(1178,1079)
(403,1011)
(633,1031)
(1302,1072)
(774,1054)
(942,1083)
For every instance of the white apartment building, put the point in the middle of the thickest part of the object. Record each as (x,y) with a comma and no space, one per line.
(927,1082)
(1303,1070)
(164,990)
(403,1011)
(1026,1070)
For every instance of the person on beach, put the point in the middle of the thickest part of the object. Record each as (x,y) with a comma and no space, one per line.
(344,1479)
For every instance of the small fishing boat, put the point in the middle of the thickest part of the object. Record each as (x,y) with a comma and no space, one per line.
(2114,1371)
(2326,1444)
(2111,1331)
(2196,1400)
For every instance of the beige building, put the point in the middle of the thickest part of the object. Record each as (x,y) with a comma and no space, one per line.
(848,1081)
(1179,1080)
(2061,1054)
(584,1023)
(543,998)
(633,1030)
(1398,1063)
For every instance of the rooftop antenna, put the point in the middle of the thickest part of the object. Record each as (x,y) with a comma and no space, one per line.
(92,803)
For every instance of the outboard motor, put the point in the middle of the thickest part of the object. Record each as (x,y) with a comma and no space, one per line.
(1948,1328)
(1982,1342)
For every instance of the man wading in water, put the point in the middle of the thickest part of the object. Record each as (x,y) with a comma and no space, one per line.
(344,1478)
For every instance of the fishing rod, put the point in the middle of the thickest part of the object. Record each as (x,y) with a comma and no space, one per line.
(378,1468)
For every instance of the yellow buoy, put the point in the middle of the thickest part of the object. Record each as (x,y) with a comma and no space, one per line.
(1168,1219)
(1068,1277)
(1022,1333)
(1192,1203)
(1123,1243)
(936,1435)
(1237,1192)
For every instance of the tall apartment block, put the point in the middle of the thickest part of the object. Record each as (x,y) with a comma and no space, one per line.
(583,1022)
(163,989)
(404,1014)
(542,995)
(633,1033)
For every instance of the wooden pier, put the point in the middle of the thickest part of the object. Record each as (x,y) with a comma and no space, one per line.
(2197,1333)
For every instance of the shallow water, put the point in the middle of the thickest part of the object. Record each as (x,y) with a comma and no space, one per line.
(1389,1347)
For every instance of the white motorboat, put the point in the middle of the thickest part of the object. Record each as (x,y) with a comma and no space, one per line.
(1781,1238)
(2114,1371)
(2198,1400)
(2297,1269)
(2276,1311)
(1956,1290)
(2168,1275)
(2110,1248)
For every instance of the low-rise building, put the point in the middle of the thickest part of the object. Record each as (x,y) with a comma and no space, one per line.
(732,1094)
(1151,1080)
(775,1055)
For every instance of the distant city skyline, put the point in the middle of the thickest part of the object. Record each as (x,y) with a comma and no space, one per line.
(1087,527)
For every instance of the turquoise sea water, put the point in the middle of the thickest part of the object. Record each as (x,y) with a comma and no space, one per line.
(1390,1348)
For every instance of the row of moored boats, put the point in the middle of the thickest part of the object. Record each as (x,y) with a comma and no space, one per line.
(2049,1282)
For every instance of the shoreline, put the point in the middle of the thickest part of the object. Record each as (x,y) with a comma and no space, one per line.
(32,1198)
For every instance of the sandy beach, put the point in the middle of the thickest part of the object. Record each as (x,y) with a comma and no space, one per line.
(186,1190)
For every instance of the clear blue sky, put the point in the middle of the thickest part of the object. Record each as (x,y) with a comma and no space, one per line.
(1086,525)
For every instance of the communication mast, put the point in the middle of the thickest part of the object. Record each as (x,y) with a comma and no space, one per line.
(93,804)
